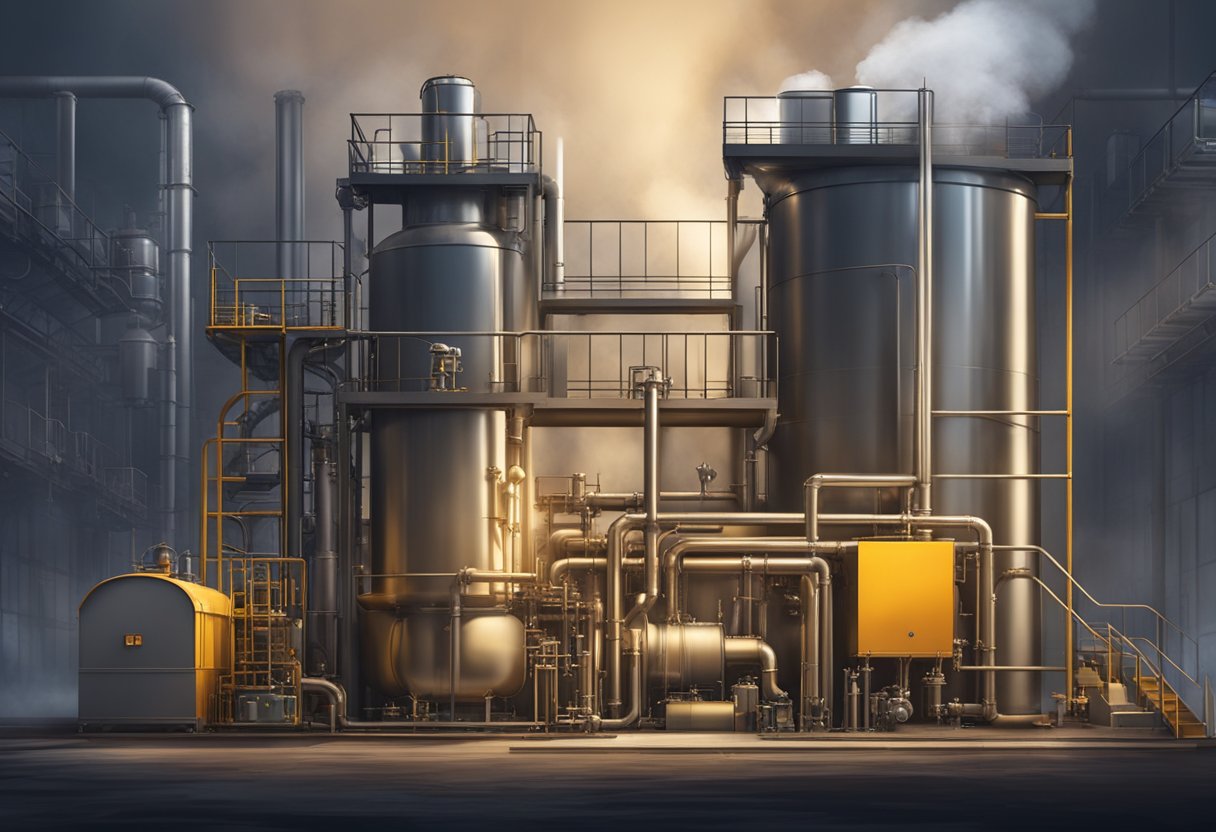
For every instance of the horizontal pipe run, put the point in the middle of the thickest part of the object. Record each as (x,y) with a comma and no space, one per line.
(1000,413)
(818,482)
(636,501)
(1013,668)
(560,568)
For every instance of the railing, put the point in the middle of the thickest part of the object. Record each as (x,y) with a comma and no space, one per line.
(1164,668)
(417,143)
(571,364)
(644,258)
(246,294)
(128,484)
(39,212)
(1163,629)
(809,119)
(1191,128)
(49,440)
(1170,310)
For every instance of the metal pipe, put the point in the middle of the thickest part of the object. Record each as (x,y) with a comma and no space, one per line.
(559,262)
(651,389)
(923,444)
(454,642)
(65,156)
(168,444)
(636,501)
(818,647)
(336,695)
(323,606)
(635,704)
(587,564)
(815,483)
(753,650)
(293,469)
(289,184)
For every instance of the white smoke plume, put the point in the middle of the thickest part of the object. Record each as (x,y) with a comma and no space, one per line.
(810,80)
(985,60)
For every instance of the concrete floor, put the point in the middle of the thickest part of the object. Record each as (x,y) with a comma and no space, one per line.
(58,781)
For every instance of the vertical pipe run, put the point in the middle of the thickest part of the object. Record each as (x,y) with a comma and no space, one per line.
(65,156)
(559,204)
(923,445)
(289,197)
(324,584)
(1068,358)
(651,478)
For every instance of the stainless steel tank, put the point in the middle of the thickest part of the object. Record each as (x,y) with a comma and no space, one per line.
(136,363)
(843,310)
(135,260)
(806,117)
(418,658)
(435,504)
(450,105)
(856,115)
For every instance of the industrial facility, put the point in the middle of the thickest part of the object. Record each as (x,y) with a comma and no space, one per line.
(823,428)
(909,442)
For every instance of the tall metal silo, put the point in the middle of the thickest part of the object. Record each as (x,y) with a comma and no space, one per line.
(841,284)
(434,478)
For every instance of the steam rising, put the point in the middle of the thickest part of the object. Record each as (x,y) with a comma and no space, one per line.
(985,60)
(811,80)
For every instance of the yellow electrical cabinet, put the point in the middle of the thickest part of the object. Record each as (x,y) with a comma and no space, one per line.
(904,602)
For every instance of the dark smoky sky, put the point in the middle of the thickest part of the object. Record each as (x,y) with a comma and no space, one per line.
(634,87)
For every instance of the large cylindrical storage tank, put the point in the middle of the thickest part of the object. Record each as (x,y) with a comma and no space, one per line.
(434,472)
(841,299)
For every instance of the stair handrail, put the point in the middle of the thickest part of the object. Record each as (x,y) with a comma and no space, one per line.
(1111,632)
(1063,571)
(1162,681)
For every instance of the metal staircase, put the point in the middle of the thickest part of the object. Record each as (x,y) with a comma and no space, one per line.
(1138,663)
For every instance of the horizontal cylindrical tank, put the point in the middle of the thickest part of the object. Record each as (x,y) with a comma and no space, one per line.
(842,303)
(153,650)
(413,654)
(685,656)
(700,716)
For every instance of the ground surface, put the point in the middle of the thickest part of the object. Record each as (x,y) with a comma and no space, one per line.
(1078,781)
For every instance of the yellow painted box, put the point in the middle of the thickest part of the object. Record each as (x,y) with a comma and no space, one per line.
(904,599)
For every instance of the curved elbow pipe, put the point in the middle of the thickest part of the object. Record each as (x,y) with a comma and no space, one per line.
(751,650)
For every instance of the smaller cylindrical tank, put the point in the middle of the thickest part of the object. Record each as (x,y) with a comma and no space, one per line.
(136,364)
(856,115)
(449,123)
(135,260)
(684,656)
(806,117)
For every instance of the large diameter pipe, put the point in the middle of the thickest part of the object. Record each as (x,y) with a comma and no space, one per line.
(752,650)
(289,183)
(324,578)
